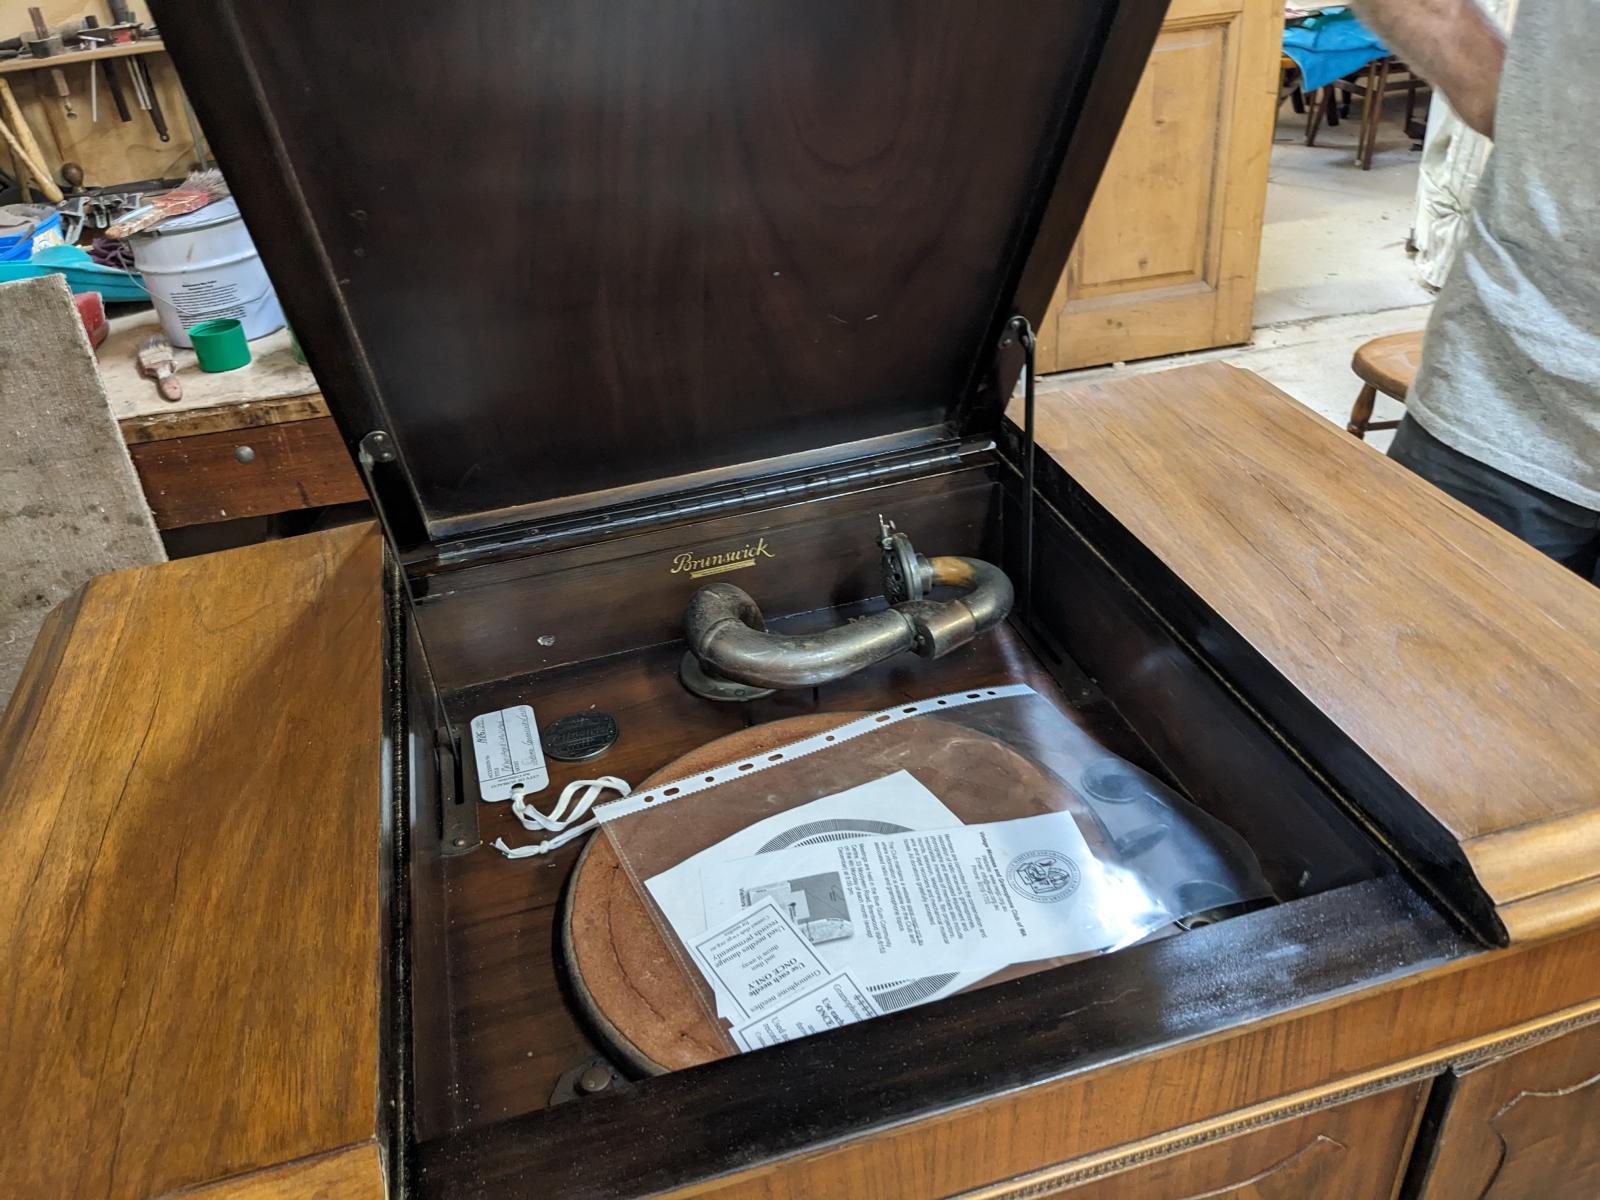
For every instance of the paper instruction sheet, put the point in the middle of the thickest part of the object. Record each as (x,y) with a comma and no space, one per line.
(894,803)
(968,898)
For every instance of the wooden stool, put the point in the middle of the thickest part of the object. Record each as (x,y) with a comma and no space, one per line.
(1387,365)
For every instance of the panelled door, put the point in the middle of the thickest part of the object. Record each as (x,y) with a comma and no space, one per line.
(1166,259)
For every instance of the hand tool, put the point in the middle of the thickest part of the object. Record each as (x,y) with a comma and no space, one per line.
(154,101)
(115,88)
(24,134)
(46,184)
(58,78)
(156,362)
(43,43)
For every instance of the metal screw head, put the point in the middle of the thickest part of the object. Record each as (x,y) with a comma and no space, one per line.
(244,454)
(377,447)
(596,1078)
(460,841)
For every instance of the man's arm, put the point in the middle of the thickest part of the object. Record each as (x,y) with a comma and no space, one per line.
(1452,44)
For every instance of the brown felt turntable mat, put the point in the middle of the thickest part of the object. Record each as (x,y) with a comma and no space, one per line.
(631,985)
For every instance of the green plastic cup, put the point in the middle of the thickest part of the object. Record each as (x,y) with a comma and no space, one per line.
(219,345)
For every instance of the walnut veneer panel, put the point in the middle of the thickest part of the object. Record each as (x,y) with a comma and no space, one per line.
(1523,1126)
(189,908)
(1460,660)
(1351,1151)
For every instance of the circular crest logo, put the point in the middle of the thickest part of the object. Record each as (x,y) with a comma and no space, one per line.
(1043,875)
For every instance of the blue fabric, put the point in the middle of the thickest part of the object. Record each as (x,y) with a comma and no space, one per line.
(1329,47)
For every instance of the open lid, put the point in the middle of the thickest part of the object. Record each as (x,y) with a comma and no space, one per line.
(583,253)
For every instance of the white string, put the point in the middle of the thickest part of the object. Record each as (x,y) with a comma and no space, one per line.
(580,795)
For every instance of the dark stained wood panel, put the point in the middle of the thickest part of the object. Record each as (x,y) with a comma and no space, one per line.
(727,234)
(1456,659)
(210,477)
(189,900)
(514,1027)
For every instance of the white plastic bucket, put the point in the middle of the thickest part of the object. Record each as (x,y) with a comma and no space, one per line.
(202,266)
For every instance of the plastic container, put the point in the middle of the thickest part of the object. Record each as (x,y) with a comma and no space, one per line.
(219,345)
(82,273)
(18,242)
(202,266)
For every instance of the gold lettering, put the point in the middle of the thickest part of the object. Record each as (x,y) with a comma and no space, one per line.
(715,563)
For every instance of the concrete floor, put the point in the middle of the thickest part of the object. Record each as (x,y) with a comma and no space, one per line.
(1334,270)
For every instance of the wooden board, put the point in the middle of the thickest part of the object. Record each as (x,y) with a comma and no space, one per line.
(78,57)
(223,418)
(212,477)
(189,902)
(342,1175)
(109,150)
(1166,259)
(1461,661)
(273,373)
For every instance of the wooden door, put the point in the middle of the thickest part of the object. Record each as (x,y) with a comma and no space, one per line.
(1522,1127)
(1166,259)
(1351,1151)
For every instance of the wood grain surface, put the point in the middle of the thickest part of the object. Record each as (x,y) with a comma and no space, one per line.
(341,1175)
(272,373)
(1522,1126)
(1390,363)
(1459,659)
(211,477)
(727,224)
(1351,1151)
(221,418)
(1409,1029)
(1166,260)
(189,908)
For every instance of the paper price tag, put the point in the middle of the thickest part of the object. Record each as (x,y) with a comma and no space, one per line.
(506,745)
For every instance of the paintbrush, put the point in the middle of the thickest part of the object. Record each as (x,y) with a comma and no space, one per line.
(156,362)
(197,191)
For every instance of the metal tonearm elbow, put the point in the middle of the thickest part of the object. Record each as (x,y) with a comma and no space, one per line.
(733,656)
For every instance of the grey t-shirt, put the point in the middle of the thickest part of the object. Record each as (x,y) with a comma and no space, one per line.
(1511,364)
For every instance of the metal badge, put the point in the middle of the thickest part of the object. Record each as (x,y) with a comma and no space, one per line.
(580,736)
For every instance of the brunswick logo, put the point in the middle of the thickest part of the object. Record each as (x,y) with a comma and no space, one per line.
(716,564)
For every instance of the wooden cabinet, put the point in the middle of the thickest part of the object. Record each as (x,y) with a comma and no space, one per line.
(1166,259)
(1523,1125)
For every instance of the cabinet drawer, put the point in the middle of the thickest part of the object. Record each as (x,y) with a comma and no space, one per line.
(211,477)
(1527,1125)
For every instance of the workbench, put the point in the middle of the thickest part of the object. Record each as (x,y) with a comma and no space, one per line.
(245,443)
